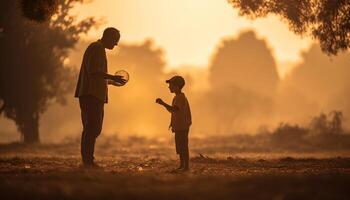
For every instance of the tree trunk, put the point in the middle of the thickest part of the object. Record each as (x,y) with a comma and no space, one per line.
(30,129)
(31,135)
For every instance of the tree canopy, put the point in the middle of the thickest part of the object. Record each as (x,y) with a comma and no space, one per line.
(39,10)
(328,21)
(32,56)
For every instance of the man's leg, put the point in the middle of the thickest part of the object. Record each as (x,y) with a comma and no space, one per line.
(89,145)
(186,159)
(84,119)
(92,116)
(98,122)
(82,147)
(182,163)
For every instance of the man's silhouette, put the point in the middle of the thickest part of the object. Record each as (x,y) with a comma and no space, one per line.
(92,91)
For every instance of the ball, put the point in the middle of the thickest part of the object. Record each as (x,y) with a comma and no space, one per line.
(124,75)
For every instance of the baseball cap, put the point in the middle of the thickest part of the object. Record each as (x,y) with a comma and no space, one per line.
(177,80)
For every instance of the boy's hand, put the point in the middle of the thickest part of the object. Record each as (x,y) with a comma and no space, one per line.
(159,101)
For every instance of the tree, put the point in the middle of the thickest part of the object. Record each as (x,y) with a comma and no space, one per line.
(245,62)
(336,121)
(318,84)
(32,71)
(243,81)
(331,124)
(325,20)
(39,10)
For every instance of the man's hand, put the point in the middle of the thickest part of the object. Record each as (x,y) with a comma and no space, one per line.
(119,79)
(160,101)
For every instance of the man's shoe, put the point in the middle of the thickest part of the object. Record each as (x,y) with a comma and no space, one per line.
(92,165)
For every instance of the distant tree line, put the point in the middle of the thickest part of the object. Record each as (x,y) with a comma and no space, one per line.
(328,21)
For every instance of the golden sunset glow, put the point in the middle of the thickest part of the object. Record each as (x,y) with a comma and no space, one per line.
(189,31)
(174,99)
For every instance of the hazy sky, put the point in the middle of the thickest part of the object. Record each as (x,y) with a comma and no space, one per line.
(190,30)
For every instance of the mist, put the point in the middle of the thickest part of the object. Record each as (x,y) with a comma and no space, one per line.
(239,92)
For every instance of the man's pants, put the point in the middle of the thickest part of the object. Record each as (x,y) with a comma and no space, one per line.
(92,119)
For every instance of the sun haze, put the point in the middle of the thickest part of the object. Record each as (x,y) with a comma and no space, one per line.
(189,31)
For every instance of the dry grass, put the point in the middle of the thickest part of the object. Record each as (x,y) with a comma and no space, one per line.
(142,170)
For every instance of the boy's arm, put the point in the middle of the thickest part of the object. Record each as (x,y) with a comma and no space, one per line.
(167,106)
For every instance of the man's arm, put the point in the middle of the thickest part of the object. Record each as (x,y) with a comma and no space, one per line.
(167,106)
(102,74)
(116,78)
(96,62)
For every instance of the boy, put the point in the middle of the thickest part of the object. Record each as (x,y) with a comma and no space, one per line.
(180,119)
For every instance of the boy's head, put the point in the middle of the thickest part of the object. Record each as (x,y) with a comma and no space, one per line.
(176,83)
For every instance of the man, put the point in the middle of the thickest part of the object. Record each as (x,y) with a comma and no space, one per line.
(92,91)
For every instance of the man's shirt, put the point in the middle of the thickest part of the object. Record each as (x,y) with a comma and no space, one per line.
(181,119)
(94,60)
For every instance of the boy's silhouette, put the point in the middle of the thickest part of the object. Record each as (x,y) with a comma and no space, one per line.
(180,119)
(92,91)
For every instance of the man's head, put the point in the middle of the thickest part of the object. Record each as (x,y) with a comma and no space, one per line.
(176,83)
(110,37)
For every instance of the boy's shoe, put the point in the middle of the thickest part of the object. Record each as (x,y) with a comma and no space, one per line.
(180,170)
(177,170)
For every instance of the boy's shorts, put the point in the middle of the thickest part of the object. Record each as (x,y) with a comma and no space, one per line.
(181,141)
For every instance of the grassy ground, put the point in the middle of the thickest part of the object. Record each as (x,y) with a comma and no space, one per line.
(138,169)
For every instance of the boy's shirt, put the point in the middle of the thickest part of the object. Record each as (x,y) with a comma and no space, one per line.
(181,119)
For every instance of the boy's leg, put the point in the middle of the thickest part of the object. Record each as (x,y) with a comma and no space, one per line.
(186,155)
(182,148)
(178,148)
